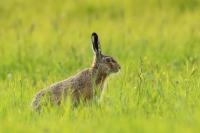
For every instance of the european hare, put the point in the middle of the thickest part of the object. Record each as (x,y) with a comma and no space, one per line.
(85,84)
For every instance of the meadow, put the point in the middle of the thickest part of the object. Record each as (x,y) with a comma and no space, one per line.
(156,42)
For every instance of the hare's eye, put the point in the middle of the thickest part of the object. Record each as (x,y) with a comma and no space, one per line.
(108,60)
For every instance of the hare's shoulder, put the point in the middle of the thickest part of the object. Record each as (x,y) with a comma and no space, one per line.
(81,77)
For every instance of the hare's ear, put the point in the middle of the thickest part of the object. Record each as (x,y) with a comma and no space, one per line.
(96,44)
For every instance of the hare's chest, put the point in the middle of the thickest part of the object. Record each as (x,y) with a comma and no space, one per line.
(92,90)
(88,88)
(84,89)
(95,90)
(87,93)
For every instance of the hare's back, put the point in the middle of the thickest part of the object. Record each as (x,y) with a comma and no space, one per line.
(77,82)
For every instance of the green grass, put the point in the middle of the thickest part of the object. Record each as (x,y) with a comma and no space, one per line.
(156,42)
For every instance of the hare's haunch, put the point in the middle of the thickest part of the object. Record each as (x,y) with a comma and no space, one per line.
(85,84)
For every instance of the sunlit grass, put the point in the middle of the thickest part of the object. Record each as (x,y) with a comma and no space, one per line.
(157,43)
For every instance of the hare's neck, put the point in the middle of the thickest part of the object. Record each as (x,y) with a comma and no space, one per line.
(100,77)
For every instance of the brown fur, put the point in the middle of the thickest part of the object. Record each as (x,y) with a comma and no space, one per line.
(84,85)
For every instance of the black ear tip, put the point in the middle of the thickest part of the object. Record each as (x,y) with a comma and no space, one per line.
(94,34)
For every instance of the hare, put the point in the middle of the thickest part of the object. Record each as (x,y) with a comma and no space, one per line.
(85,84)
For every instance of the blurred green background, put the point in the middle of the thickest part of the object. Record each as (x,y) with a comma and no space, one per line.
(157,43)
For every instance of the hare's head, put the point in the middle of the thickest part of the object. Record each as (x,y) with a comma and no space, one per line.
(104,63)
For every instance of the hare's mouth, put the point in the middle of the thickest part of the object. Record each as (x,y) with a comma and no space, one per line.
(116,70)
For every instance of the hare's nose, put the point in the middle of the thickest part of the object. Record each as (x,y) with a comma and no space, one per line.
(119,67)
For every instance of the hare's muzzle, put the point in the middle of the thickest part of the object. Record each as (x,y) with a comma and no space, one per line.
(119,67)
